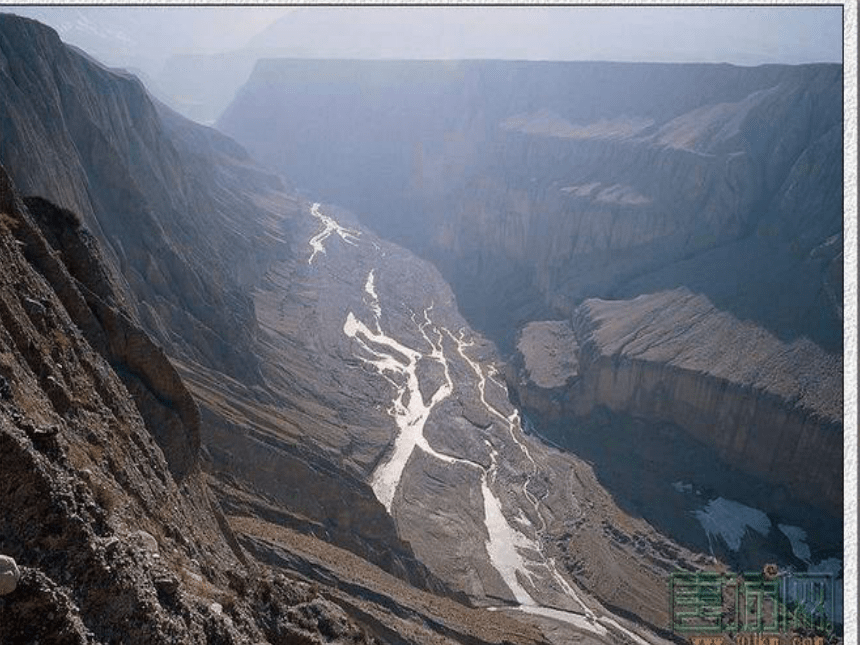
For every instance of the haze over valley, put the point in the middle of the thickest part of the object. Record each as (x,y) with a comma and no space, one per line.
(474,339)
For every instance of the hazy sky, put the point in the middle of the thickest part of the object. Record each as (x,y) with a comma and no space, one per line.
(737,34)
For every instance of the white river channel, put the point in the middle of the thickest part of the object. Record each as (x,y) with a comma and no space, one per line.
(398,363)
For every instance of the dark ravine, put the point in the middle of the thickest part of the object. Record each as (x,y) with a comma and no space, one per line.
(772,409)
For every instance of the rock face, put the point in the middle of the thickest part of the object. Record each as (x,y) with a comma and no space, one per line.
(772,408)
(104,539)
(9,575)
(165,198)
(535,185)
(165,404)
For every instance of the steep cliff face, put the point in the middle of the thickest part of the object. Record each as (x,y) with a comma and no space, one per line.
(772,409)
(189,225)
(535,185)
(115,532)
(169,201)
(165,404)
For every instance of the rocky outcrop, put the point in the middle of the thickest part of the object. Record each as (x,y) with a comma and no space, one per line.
(770,408)
(382,600)
(9,575)
(537,185)
(544,368)
(105,535)
(171,415)
(550,352)
(169,201)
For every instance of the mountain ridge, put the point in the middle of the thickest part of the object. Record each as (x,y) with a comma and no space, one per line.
(565,216)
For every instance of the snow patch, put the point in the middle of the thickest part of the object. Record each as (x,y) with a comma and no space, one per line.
(730,521)
(797,537)
(408,408)
(330,227)
(682,487)
(370,290)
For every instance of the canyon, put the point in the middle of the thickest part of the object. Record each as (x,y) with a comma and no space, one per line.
(547,183)
(380,359)
(646,222)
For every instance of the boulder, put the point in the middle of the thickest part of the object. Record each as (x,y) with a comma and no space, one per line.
(9,575)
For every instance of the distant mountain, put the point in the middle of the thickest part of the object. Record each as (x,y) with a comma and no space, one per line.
(153,42)
(535,185)
(145,37)
(195,58)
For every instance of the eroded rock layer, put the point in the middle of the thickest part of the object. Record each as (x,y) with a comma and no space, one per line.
(533,186)
(176,207)
(770,407)
(115,543)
